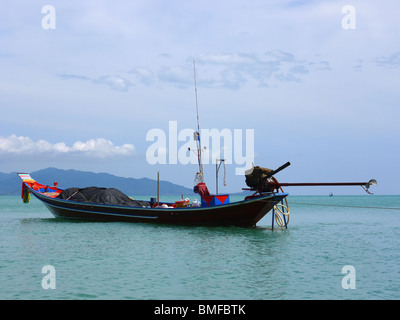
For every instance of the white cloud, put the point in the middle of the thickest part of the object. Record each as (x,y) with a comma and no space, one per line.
(390,61)
(114,82)
(234,70)
(102,147)
(98,148)
(143,75)
(178,76)
(228,59)
(218,70)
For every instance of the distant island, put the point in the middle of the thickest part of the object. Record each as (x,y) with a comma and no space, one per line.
(10,183)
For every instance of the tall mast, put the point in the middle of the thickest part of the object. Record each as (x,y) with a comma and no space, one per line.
(195,92)
(200,175)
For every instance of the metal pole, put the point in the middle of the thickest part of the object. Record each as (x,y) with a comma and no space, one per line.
(216,176)
(158,187)
(217,170)
(302,184)
(198,142)
(273,214)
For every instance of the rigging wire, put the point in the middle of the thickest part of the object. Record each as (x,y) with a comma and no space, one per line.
(343,205)
(200,174)
(339,205)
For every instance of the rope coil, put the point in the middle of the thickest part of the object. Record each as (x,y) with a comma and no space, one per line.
(281,210)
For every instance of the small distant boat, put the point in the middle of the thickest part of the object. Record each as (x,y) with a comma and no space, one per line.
(331,194)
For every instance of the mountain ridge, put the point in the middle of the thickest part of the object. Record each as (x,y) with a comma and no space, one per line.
(10,183)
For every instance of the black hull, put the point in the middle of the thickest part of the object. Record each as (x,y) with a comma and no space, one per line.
(243,213)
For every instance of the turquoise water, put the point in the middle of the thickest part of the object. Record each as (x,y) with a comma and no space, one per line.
(95,260)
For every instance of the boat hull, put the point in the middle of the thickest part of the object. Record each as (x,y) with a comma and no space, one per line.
(244,213)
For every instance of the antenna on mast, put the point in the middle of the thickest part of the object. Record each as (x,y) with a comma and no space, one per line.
(196,136)
(195,92)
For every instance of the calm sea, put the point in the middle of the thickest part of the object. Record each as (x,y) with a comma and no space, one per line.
(341,247)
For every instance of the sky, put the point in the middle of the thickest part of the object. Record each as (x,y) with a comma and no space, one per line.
(108,86)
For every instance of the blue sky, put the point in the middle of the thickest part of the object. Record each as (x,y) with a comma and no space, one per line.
(85,94)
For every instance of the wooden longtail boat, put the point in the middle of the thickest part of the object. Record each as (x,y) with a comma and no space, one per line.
(244,213)
(214,210)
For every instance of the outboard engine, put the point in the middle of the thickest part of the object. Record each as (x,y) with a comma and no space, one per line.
(258,178)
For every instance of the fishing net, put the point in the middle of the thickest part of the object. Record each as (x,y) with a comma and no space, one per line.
(100,196)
